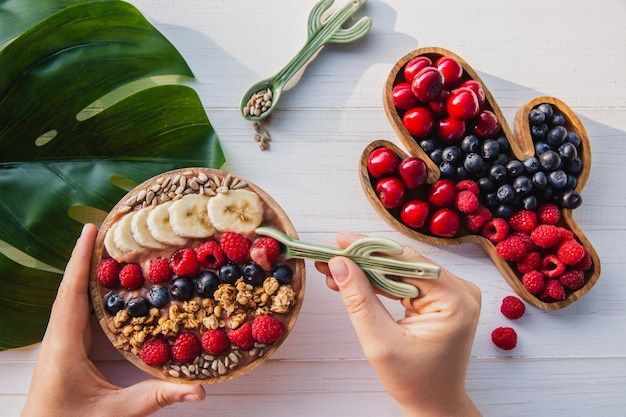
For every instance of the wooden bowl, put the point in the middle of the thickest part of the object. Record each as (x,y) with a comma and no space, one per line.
(206,368)
(521,145)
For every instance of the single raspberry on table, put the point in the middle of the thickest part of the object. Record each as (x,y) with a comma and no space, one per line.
(210,255)
(478,218)
(573,279)
(235,246)
(264,251)
(155,352)
(215,341)
(570,252)
(131,276)
(242,336)
(186,347)
(512,307)
(495,229)
(159,270)
(108,272)
(466,201)
(546,235)
(266,329)
(553,290)
(548,214)
(552,266)
(534,282)
(529,262)
(523,221)
(511,249)
(184,262)
(504,337)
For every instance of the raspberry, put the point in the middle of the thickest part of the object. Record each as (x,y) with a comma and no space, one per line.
(511,249)
(573,279)
(546,235)
(585,263)
(570,252)
(504,337)
(186,347)
(242,337)
(108,272)
(553,290)
(155,352)
(264,251)
(552,266)
(159,270)
(530,245)
(131,276)
(466,201)
(267,329)
(512,307)
(566,234)
(495,229)
(215,341)
(533,281)
(548,214)
(476,219)
(210,255)
(523,221)
(529,262)
(468,185)
(184,262)
(235,246)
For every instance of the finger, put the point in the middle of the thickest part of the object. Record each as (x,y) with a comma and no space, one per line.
(149,396)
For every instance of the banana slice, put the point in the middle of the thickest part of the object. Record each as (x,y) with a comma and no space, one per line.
(109,244)
(238,211)
(123,235)
(158,222)
(189,217)
(140,231)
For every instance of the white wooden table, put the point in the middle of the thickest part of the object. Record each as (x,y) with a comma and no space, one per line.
(568,362)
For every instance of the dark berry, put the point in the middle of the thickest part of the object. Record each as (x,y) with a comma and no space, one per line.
(252,273)
(557,179)
(113,303)
(181,289)
(283,274)
(502,159)
(490,149)
(462,173)
(547,109)
(503,211)
(541,147)
(556,136)
(503,143)
(229,273)
(568,151)
(428,145)
(497,173)
(491,200)
(539,132)
(522,185)
(571,199)
(505,193)
(574,139)
(447,169)
(540,180)
(572,182)
(558,119)
(137,306)
(536,117)
(515,168)
(573,166)
(474,163)
(205,283)
(470,143)
(550,160)
(158,296)
(531,165)
(451,154)
(486,184)
(436,156)
(530,202)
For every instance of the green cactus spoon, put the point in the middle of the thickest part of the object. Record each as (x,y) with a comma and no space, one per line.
(260,99)
(369,253)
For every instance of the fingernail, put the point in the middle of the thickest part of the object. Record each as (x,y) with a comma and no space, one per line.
(192,398)
(338,269)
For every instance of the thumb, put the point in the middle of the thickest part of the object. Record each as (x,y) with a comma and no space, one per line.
(148,397)
(366,311)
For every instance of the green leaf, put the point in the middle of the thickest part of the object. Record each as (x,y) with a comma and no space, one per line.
(90,105)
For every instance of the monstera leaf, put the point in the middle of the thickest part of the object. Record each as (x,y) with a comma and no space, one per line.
(91,103)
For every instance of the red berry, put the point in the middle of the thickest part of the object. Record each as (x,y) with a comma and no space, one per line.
(546,235)
(529,262)
(210,255)
(463,104)
(533,281)
(451,69)
(552,266)
(477,88)
(504,337)
(427,84)
(438,105)
(184,262)
(267,329)
(442,193)
(512,307)
(159,270)
(108,272)
(553,290)
(235,246)
(585,263)
(414,66)
(477,219)
(548,214)
(469,185)
(523,221)
(155,352)
(467,201)
(215,341)
(571,252)
(445,223)
(403,97)
(264,251)
(186,347)
(242,336)
(413,172)
(566,234)
(573,279)
(391,192)
(451,129)
(530,245)
(511,248)
(131,276)
(419,121)
(495,230)
(486,124)
(415,213)
(382,162)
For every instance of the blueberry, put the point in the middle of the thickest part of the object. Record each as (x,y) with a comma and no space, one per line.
(229,273)
(283,274)
(504,211)
(550,160)
(558,119)
(491,200)
(470,144)
(428,145)
(530,203)
(541,147)
(252,273)
(158,296)
(522,185)
(462,173)
(503,143)
(490,149)
(546,194)
(572,182)
(505,193)
(181,289)
(540,180)
(436,156)
(486,184)
(474,163)
(536,117)
(573,166)
(113,303)
(539,132)
(452,154)
(497,173)
(547,109)
(571,199)
(205,283)
(137,306)
(557,179)
(556,136)
(515,168)
(574,139)
(531,165)
(568,151)
(447,169)
(502,159)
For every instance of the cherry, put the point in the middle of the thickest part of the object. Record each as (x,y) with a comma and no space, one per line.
(382,161)
(442,193)
(438,105)
(427,84)
(445,223)
(403,97)
(414,66)
(486,124)
(451,69)
(391,192)
(419,121)
(451,129)
(414,213)
(463,104)
(413,172)
(477,88)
